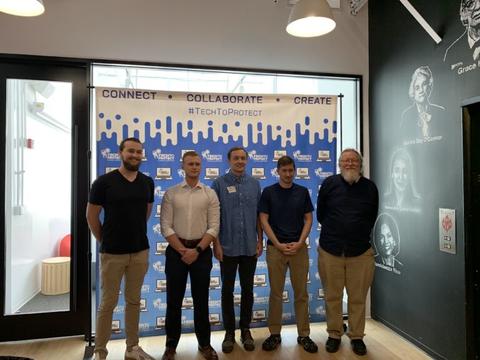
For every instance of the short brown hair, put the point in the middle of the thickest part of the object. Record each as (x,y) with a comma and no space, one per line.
(189,153)
(284,161)
(235,148)
(134,139)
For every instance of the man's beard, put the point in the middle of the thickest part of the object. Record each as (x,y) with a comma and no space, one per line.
(350,176)
(131,167)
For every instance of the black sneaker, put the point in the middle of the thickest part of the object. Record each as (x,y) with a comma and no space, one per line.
(228,342)
(332,344)
(307,343)
(358,347)
(272,342)
(247,340)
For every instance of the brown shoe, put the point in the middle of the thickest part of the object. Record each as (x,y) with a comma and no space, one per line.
(208,352)
(169,354)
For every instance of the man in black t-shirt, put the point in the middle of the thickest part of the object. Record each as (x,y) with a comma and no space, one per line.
(286,216)
(126,197)
(347,207)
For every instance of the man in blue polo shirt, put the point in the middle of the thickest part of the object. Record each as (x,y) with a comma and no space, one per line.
(286,216)
(238,245)
(347,208)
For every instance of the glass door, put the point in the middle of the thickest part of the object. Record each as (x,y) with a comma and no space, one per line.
(45,248)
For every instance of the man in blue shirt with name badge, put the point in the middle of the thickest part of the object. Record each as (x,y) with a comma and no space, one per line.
(239,244)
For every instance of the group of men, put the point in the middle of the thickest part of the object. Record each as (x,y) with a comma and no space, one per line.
(232,216)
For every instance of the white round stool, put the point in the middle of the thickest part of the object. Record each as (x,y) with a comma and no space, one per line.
(56,275)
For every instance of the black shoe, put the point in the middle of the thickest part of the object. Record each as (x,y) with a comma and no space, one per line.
(228,342)
(272,342)
(358,347)
(247,340)
(307,343)
(208,352)
(332,344)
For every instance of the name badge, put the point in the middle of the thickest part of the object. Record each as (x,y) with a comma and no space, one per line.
(231,189)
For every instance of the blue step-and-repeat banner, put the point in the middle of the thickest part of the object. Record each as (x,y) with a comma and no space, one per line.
(170,123)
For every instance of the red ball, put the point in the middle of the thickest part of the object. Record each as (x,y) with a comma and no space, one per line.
(64,248)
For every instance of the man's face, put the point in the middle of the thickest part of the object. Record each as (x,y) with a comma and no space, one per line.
(472,8)
(386,240)
(400,174)
(192,165)
(286,174)
(350,166)
(238,161)
(421,89)
(131,155)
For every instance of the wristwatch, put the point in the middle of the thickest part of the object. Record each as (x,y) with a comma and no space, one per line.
(199,249)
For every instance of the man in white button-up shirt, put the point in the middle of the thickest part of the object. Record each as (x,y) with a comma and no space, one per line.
(190,221)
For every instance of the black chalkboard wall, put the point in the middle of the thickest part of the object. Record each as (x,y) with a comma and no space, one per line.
(416,91)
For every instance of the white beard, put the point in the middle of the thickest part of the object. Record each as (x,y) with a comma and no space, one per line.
(350,176)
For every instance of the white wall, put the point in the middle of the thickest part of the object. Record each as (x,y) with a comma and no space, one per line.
(241,33)
(225,33)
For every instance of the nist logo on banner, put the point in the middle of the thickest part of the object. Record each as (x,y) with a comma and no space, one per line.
(211,157)
(322,174)
(297,155)
(159,192)
(157,229)
(158,155)
(159,305)
(158,267)
(252,155)
(109,155)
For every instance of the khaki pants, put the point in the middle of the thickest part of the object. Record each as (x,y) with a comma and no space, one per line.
(356,275)
(277,268)
(112,269)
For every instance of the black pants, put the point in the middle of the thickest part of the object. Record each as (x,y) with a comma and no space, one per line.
(246,266)
(177,272)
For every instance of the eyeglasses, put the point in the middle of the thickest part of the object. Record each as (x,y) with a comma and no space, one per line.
(349,161)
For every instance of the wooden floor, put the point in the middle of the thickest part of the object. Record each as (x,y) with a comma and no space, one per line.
(382,344)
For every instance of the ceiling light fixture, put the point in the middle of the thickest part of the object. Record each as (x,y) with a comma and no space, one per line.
(310,18)
(22,7)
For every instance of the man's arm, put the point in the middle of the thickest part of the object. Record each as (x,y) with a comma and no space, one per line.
(213,228)
(270,234)
(259,223)
(149,210)
(93,220)
(321,203)
(259,237)
(166,222)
